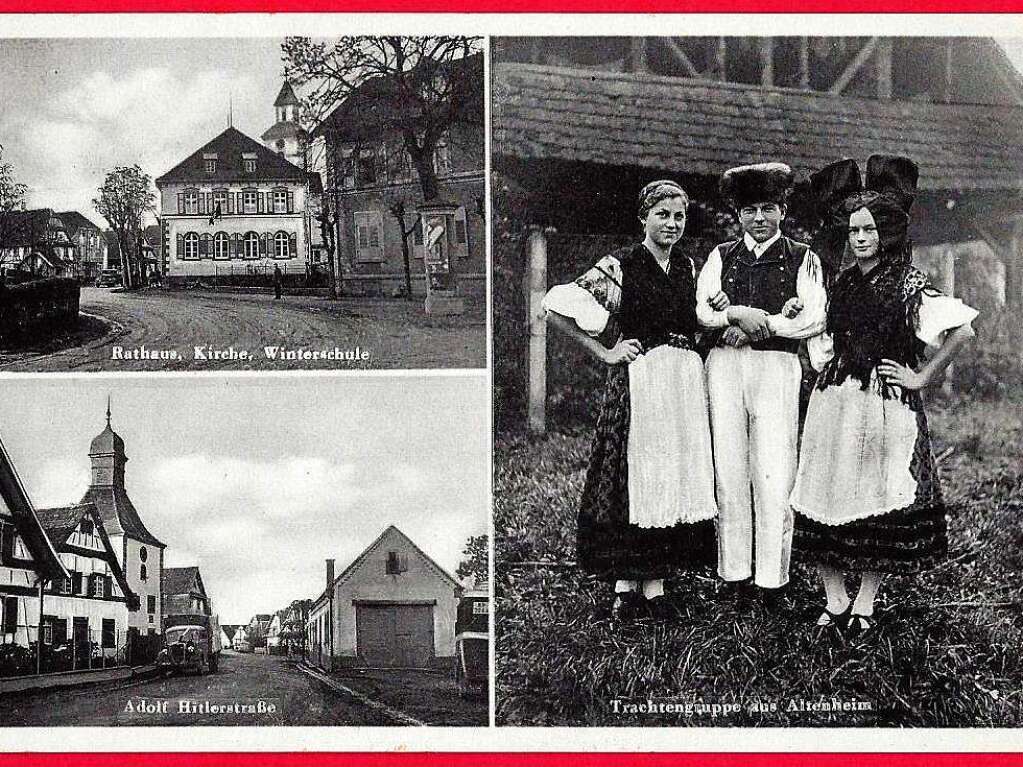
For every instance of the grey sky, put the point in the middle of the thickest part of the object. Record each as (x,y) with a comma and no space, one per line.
(88,105)
(259,480)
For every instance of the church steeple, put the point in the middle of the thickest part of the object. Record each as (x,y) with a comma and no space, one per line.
(108,457)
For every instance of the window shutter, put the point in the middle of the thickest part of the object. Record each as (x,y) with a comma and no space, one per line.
(460,230)
(204,246)
(60,631)
(210,207)
(261,197)
(293,244)
(181,202)
(200,202)
(10,615)
(108,586)
(374,234)
(291,202)
(181,246)
(262,245)
(76,582)
(239,245)
(238,206)
(230,203)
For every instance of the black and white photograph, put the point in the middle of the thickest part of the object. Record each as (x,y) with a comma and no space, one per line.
(203,204)
(757,381)
(311,552)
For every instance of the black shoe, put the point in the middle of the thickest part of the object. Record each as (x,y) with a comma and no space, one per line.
(772,598)
(662,609)
(628,606)
(735,590)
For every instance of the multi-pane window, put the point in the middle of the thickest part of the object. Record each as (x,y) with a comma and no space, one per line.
(220,202)
(151,604)
(397,563)
(96,585)
(65,586)
(282,245)
(249,164)
(221,246)
(280,201)
(368,235)
(211,166)
(191,245)
(367,167)
(250,202)
(191,202)
(251,245)
(480,607)
(348,168)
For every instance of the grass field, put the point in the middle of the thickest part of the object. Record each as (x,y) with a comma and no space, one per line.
(946,652)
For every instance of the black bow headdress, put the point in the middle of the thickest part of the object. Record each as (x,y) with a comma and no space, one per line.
(887,192)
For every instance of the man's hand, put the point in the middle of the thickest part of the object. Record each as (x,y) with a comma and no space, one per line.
(792,308)
(752,322)
(719,302)
(623,352)
(734,337)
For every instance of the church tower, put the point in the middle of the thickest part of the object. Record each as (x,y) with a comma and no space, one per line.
(285,136)
(139,552)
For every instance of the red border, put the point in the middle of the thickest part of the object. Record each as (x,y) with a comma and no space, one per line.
(511,6)
(407,759)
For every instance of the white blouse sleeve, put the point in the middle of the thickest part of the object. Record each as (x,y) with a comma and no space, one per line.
(940,314)
(591,299)
(821,349)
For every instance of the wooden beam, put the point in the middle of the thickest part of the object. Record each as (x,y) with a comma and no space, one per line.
(677,51)
(721,58)
(804,63)
(767,62)
(637,55)
(536,289)
(883,62)
(854,67)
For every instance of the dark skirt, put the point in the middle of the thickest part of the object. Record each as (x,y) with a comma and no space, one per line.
(608,546)
(901,541)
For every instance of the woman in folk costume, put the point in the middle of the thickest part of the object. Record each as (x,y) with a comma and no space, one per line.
(867,491)
(647,507)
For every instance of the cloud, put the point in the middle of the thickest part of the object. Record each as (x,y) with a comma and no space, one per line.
(57,483)
(154,117)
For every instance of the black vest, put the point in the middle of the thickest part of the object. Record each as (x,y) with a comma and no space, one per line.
(657,308)
(763,283)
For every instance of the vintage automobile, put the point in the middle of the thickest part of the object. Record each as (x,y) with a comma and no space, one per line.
(109,278)
(190,643)
(472,642)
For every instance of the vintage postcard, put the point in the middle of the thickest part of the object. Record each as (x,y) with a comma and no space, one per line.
(264,203)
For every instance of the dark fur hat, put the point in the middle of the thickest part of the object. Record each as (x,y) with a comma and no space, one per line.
(763,182)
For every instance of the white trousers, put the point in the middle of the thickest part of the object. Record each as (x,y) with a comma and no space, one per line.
(754,415)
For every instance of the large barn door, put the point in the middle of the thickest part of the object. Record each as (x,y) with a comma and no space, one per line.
(394,636)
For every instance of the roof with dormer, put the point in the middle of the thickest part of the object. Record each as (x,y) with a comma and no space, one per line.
(60,522)
(229,148)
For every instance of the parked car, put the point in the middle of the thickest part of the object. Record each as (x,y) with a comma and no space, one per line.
(109,278)
(190,643)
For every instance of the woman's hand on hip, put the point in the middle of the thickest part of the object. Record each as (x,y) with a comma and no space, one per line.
(623,352)
(892,373)
(719,302)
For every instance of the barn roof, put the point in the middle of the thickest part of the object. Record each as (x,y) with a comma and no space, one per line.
(703,127)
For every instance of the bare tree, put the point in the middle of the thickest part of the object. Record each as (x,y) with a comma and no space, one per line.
(125,197)
(421,92)
(12,202)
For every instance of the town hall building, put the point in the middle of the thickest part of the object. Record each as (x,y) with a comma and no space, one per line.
(236,207)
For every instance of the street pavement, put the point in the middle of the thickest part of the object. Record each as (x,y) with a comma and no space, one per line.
(246,690)
(191,330)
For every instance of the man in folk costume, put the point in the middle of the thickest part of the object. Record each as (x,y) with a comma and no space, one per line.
(776,298)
